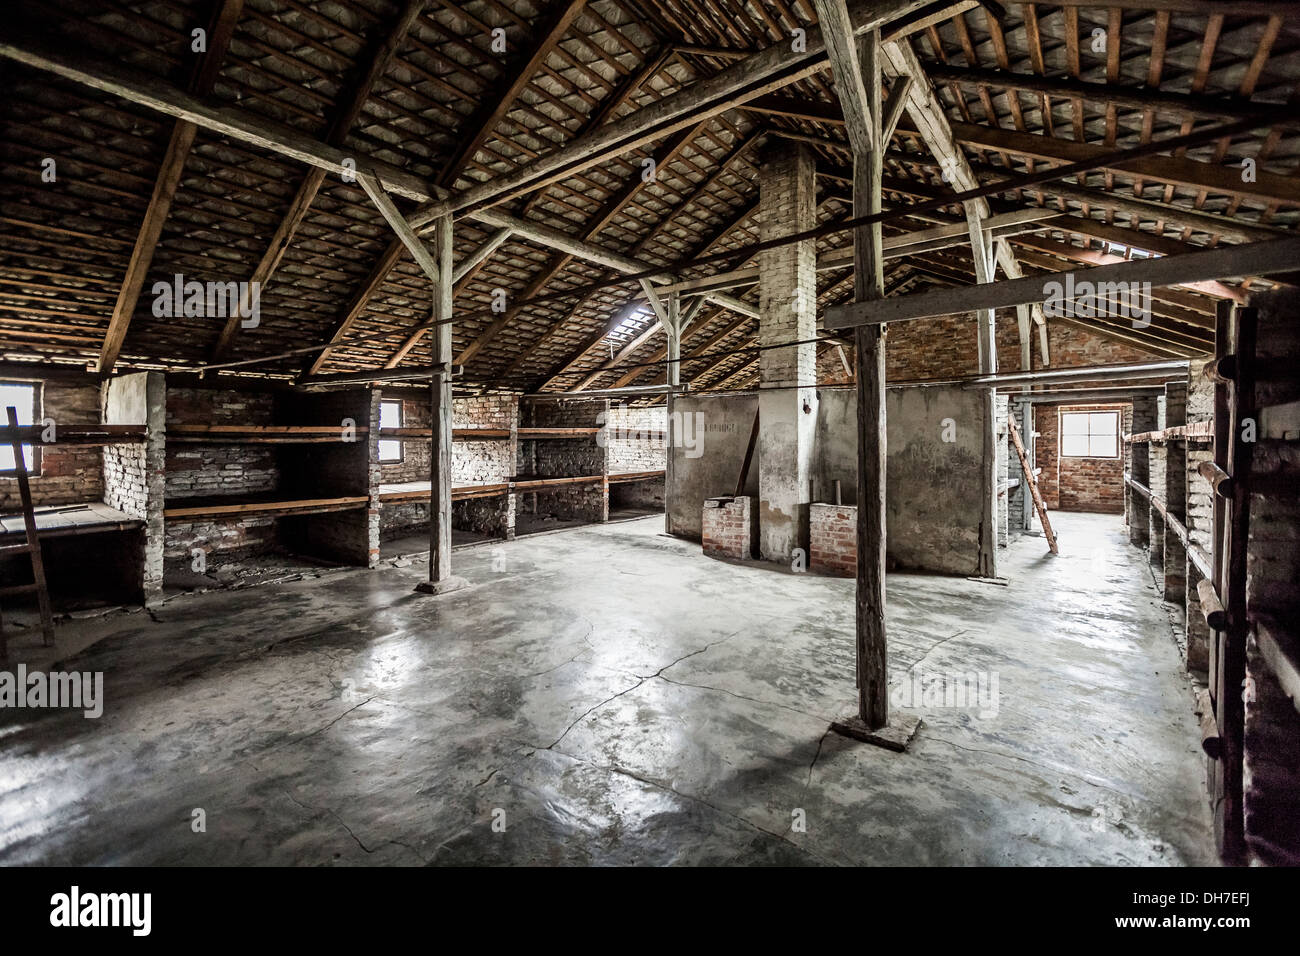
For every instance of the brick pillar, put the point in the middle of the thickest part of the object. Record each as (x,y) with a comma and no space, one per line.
(1157,453)
(1139,454)
(1199,513)
(787,204)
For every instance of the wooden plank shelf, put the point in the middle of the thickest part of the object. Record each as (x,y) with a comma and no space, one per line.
(261,434)
(1196,431)
(74,434)
(57,521)
(410,433)
(537,484)
(635,476)
(419,491)
(547,433)
(407,433)
(257,506)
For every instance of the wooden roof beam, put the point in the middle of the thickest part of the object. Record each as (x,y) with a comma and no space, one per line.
(170,171)
(484,123)
(338,132)
(1135,98)
(1260,258)
(771,69)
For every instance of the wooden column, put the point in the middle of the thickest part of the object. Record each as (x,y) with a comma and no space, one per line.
(869,359)
(440,577)
(673,377)
(982,248)
(857,69)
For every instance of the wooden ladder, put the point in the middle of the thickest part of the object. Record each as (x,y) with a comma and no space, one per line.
(1033,485)
(31,547)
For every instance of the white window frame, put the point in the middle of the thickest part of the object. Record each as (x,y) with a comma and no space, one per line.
(1092,435)
(391,447)
(31,453)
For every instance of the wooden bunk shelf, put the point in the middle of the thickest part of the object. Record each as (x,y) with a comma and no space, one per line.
(541,433)
(420,491)
(537,484)
(260,434)
(1196,431)
(635,476)
(257,506)
(56,521)
(74,434)
(412,433)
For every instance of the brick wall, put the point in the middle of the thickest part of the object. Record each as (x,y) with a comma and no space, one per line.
(1047,454)
(202,470)
(634,436)
(207,470)
(832,538)
(68,474)
(565,458)
(728,527)
(945,347)
(483,462)
(1077,484)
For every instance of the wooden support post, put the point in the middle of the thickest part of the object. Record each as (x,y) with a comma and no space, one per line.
(1231,564)
(857,70)
(441,579)
(672,323)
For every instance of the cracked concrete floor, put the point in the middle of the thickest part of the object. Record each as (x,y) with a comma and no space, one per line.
(610,696)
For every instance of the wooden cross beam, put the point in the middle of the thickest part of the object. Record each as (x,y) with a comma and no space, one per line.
(1254,259)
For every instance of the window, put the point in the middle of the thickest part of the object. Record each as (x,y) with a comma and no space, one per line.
(390,416)
(23,398)
(1090,434)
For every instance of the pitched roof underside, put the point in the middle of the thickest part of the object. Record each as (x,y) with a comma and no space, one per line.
(447,108)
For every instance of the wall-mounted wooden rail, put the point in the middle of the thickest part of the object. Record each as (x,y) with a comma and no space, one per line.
(1195,553)
(1195,431)
(264,434)
(73,434)
(636,476)
(258,507)
(407,433)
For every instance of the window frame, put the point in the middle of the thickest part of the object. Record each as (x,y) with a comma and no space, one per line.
(400,445)
(1089,435)
(38,400)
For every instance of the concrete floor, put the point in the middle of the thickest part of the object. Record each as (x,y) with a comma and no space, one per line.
(612,696)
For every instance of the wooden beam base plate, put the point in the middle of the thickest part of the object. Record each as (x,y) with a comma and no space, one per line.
(445,586)
(896,735)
